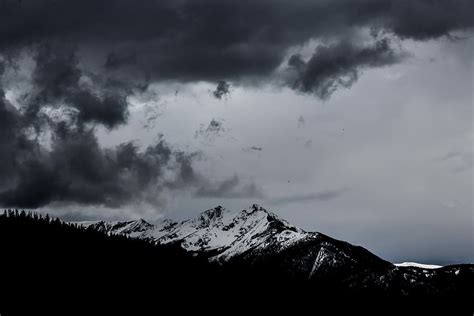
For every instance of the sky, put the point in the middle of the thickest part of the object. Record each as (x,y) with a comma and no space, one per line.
(351,118)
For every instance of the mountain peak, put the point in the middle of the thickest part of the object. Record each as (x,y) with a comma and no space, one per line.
(257,208)
(263,214)
(210,216)
(214,213)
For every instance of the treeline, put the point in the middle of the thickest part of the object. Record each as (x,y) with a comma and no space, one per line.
(27,220)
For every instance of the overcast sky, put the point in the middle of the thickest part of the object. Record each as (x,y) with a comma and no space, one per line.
(351,118)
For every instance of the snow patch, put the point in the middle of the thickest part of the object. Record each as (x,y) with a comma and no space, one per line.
(417,265)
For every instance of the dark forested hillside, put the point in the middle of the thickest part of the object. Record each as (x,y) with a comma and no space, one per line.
(41,258)
(44,261)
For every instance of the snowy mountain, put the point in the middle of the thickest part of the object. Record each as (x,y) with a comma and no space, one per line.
(254,256)
(130,228)
(216,233)
(260,239)
(417,265)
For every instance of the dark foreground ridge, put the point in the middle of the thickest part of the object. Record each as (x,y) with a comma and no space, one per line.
(46,260)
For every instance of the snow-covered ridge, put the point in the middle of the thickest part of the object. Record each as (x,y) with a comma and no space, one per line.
(215,231)
(417,265)
(221,235)
(132,228)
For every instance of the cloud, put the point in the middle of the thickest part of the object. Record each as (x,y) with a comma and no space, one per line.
(214,129)
(301,121)
(222,90)
(87,58)
(301,198)
(231,188)
(177,40)
(338,65)
(50,154)
(58,82)
(72,167)
(115,61)
(459,161)
(252,149)
(77,170)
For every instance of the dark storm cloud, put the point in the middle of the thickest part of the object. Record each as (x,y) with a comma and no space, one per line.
(78,170)
(73,167)
(14,145)
(338,65)
(317,196)
(231,188)
(216,39)
(115,61)
(57,81)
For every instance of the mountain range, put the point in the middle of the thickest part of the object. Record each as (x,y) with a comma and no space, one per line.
(259,240)
(218,260)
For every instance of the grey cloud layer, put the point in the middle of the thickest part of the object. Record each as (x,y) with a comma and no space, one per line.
(230,188)
(90,56)
(317,196)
